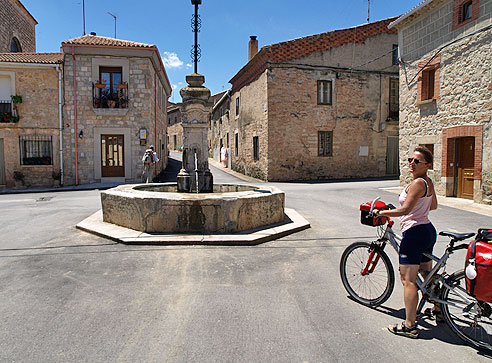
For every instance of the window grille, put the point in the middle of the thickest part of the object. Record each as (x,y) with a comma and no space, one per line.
(256,148)
(325,143)
(324,92)
(36,150)
(394,99)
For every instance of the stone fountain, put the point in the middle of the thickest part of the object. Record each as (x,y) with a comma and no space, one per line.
(193,210)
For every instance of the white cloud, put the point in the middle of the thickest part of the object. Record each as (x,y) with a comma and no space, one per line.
(188,65)
(174,86)
(171,60)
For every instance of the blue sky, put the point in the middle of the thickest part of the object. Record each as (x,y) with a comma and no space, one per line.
(226,27)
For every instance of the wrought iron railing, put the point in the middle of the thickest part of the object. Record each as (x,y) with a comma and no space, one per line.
(7,112)
(106,96)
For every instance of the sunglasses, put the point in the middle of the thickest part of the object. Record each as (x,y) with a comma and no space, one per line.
(415,160)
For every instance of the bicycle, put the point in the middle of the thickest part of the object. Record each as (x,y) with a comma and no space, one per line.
(367,275)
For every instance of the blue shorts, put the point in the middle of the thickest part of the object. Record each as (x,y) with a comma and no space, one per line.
(415,242)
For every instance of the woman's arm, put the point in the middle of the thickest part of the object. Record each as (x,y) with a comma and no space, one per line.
(415,191)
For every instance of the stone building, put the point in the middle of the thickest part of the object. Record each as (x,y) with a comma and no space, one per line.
(30,123)
(115,107)
(17,28)
(446,93)
(317,107)
(218,135)
(174,128)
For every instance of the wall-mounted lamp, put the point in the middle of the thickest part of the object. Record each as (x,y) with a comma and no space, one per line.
(81,134)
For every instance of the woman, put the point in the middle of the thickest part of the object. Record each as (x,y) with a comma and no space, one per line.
(419,235)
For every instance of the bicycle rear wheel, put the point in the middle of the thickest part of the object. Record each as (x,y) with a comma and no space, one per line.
(467,317)
(367,273)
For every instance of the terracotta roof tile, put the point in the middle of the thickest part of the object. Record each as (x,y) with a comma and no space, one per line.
(105,41)
(304,46)
(45,58)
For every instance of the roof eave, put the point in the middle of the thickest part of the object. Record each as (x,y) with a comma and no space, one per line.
(411,12)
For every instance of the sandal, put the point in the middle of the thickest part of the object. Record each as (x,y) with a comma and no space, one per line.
(434,314)
(402,329)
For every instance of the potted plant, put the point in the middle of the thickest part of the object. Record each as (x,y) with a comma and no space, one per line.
(56,175)
(121,85)
(18,179)
(101,83)
(111,103)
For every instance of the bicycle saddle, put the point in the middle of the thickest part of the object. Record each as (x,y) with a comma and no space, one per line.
(457,236)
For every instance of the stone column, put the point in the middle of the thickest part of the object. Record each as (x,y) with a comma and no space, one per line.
(195,175)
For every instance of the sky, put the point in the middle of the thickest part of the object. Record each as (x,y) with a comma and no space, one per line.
(224,35)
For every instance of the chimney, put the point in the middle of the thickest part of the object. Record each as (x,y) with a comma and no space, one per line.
(93,33)
(252,47)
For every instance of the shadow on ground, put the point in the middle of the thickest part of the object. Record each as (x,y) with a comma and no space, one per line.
(170,173)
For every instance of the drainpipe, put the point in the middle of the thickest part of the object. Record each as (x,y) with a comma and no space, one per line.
(60,117)
(155,118)
(75,116)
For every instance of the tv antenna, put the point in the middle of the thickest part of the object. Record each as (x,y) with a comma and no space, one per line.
(368,10)
(114,16)
(83,14)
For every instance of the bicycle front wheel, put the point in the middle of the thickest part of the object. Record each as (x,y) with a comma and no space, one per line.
(467,317)
(367,273)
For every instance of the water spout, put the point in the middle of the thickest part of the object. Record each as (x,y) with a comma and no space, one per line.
(196,173)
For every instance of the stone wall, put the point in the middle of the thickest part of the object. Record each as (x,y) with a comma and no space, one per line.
(16,22)
(175,130)
(357,118)
(251,121)
(38,114)
(463,106)
(96,121)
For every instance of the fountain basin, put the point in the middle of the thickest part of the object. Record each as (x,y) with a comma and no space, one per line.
(155,208)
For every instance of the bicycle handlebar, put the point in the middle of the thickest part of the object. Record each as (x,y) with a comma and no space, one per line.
(373,203)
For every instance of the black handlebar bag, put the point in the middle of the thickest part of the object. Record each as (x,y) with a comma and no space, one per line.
(480,254)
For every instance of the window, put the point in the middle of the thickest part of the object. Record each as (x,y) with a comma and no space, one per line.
(36,150)
(256,148)
(324,92)
(394,99)
(428,77)
(227,142)
(325,143)
(395,54)
(5,92)
(428,82)
(236,144)
(464,12)
(111,76)
(237,106)
(467,11)
(175,140)
(15,46)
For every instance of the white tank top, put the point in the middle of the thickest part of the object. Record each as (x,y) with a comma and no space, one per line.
(419,213)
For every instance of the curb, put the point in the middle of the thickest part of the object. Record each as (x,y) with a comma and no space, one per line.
(293,222)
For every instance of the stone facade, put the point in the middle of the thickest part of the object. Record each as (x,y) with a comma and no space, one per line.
(38,84)
(16,22)
(276,131)
(148,90)
(460,57)
(174,128)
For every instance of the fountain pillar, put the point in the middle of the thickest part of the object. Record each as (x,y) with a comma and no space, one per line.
(195,175)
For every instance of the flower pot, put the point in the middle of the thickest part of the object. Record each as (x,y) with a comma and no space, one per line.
(100,85)
(121,86)
(18,184)
(111,103)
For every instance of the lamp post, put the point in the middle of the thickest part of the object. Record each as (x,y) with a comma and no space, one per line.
(196,25)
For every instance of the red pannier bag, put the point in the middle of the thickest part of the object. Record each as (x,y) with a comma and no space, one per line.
(480,254)
(371,220)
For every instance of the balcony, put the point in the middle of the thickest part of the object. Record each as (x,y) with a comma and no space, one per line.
(106,96)
(8,114)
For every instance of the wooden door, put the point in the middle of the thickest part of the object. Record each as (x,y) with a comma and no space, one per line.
(112,156)
(466,167)
(2,164)
(392,156)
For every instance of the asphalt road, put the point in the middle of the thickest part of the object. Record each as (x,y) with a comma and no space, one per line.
(69,296)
